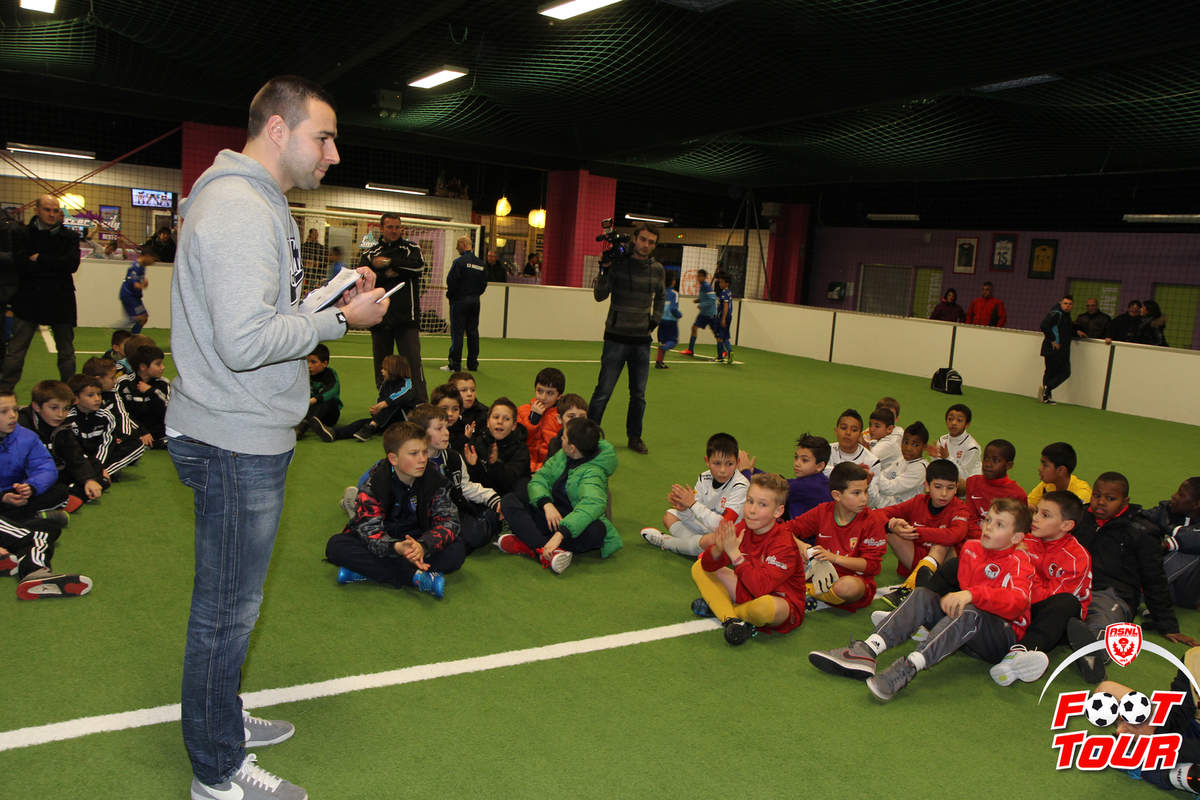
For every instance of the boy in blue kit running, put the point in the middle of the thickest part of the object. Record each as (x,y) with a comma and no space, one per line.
(707,317)
(131,293)
(724,317)
(668,326)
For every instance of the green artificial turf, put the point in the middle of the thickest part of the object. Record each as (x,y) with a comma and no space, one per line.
(683,717)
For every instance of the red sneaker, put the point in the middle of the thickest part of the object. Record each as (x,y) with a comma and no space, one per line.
(686,353)
(8,564)
(511,544)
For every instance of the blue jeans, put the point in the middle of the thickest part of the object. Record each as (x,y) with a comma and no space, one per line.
(613,359)
(238,502)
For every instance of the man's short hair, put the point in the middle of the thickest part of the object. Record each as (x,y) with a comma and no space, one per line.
(817,445)
(775,484)
(1007,449)
(989,284)
(1070,506)
(442,392)
(569,401)
(321,352)
(962,408)
(1022,516)
(98,367)
(426,413)
(844,474)
(585,435)
(1070,297)
(51,390)
(722,444)
(1060,454)
(942,469)
(552,377)
(395,435)
(1112,477)
(287,96)
(884,415)
(81,381)
(648,228)
(918,430)
(385,216)
(465,241)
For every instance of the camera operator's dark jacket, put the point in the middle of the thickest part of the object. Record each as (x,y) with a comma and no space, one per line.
(404,309)
(638,290)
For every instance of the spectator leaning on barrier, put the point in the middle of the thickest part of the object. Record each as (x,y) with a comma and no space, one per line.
(986,309)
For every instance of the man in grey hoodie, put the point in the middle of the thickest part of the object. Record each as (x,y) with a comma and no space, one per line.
(637,284)
(239,342)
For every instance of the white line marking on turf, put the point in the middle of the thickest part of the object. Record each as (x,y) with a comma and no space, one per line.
(84,726)
(48,339)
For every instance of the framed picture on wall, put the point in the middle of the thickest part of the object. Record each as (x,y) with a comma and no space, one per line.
(1004,252)
(1043,253)
(964,255)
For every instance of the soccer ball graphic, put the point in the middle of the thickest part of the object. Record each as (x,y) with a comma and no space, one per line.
(1135,708)
(1102,709)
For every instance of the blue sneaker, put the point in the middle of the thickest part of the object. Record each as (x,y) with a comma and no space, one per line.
(700,608)
(350,576)
(433,583)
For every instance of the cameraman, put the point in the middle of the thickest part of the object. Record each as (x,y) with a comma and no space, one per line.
(637,285)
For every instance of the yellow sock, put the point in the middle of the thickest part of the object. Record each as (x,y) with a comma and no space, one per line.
(830,598)
(713,592)
(758,612)
(928,561)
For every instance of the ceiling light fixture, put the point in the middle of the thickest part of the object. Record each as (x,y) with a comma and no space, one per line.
(383,187)
(894,217)
(537,218)
(51,151)
(46,6)
(1018,83)
(573,8)
(438,77)
(503,207)
(501,241)
(649,218)
(1175,219)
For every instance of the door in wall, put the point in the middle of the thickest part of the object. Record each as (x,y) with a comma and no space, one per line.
(1107,292)
(927,291)
(1179,303)
(885,289)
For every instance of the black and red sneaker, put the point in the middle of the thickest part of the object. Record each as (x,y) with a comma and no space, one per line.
(43,585)
(8,564)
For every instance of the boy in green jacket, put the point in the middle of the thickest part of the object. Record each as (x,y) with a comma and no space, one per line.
(562,513)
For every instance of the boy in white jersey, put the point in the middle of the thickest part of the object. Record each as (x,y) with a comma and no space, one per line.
(849,447)
(720,493)
(959,446)
(903,478)
(883,437)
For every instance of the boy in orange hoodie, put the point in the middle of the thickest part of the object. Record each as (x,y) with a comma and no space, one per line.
(539,417)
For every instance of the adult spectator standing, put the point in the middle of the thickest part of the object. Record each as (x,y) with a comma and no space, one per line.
(986,309)
(1125,327)
(161,245)
(1057,333)
(11,233)
(1154,324)
(637,283)
(396,259)
(314,254)
(1093,322)
(496,272)
(46,260)
(465,282)
(948,310)
(239,343)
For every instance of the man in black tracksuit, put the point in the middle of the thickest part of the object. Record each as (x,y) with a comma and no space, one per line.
(1057,333)
(465,282)
(637,284)
(395,259)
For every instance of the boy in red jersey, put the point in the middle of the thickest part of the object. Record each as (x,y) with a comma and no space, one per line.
(924,530)
(1062,587)
(754,565)
(847,538)
(998,458)
(978,602)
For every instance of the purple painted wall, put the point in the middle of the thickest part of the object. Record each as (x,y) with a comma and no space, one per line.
(1137,260)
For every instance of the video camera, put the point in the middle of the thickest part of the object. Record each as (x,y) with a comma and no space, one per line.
(618,243)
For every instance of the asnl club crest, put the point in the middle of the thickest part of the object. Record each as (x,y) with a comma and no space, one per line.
(1123,642)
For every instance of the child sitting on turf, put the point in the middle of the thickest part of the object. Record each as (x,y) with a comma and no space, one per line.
(570,406)
(1179,519)
(668,325)
(563,511)
(998,458)
(46,416)
(396,398)
(405,527)
(27,471)
(902,478)
(130,293)
(1062,587)
(884,440)
(1056,474)
(105,371)
(96,429)
(478,506)
(1127,569)
(751,575)
(324,392)
(847,541)
(497,456)
(810,485)
(473,414)
(978,602)
(116,349)
(893,405)
(924,530)
(958,445)
(719,493)
(849,449)
(447,398)
(539,417)
(125,369)
(145,393)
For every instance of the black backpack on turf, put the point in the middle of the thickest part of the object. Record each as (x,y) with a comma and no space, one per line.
(947,381)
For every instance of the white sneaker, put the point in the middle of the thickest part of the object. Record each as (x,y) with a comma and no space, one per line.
(559,561)
(263,732)
(877,617)
(250,782)
(654,536)
(1026,665)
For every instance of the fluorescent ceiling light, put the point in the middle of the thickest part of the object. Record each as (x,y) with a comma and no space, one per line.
(438,77)
(894,217)
(648,218)
(1177,219)
(38,5)
(51,151)
(383,187)
(1018,83)
(573,8)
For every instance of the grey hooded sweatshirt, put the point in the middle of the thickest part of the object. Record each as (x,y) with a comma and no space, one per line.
(237,337)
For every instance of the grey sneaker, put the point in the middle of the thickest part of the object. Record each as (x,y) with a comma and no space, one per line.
(250,782)
(1091,667)
(886,684)
(856,661)
(262,732)
(349,501)
(1026,665)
